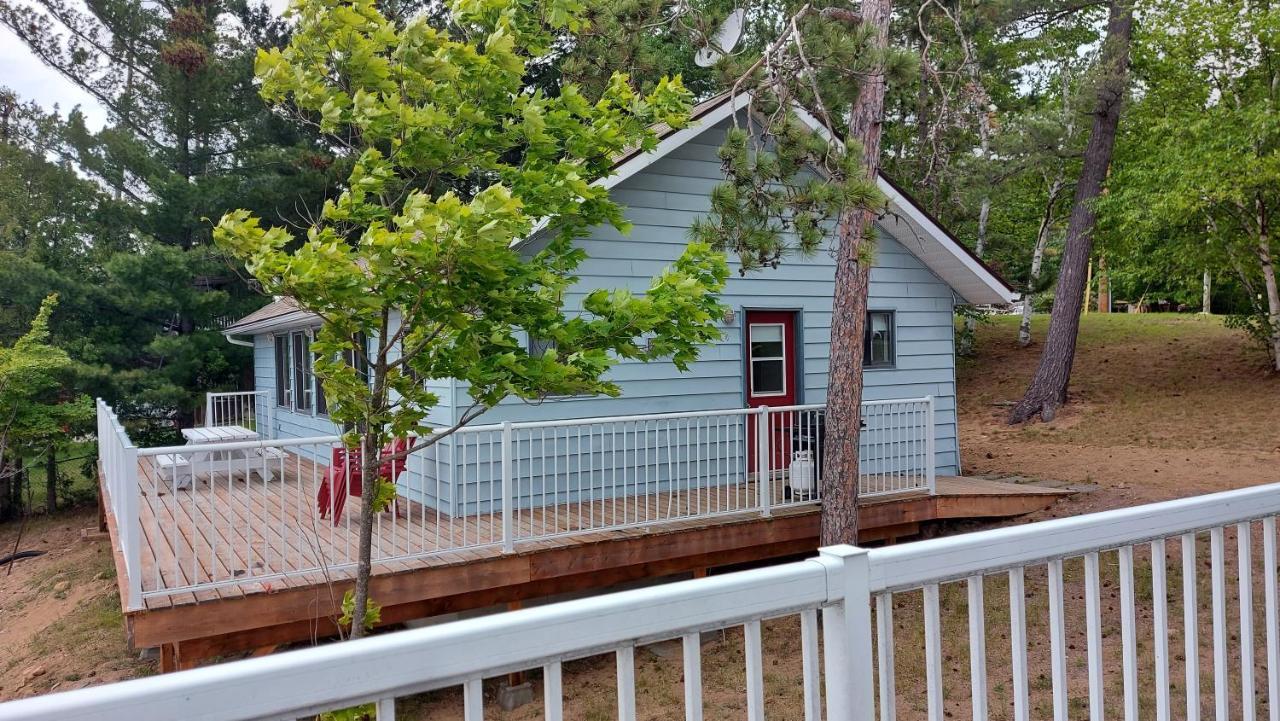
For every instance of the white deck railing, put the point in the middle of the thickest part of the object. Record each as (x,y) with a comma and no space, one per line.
(853,662)
(118,464)
(249,409)
(227,514)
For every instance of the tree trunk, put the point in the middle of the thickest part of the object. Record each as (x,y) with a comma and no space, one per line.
(849,313)
(1104,286)
(1048,389)
(1273,296)
(1037,260)
(370,445)
(1206,295)
(979,249)
(51,480)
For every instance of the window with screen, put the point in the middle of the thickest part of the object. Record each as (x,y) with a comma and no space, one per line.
(878,350)
(302,377)
(284,378)
(768,359)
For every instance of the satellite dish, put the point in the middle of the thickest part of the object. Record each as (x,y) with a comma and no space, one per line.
(725,39)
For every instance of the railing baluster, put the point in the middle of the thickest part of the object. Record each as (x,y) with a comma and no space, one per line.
(386,709)
(809,665)
(884,657)
(552,692)
(755,670)
(1018,643)
(473,700)
(1271,616)
(692,647)
(1244,553)
(1128,635)
(933,652)
(1217,555)
(1191,626)
(1093,618)
(1160,626)
(626,660)
(508,490)
(1057,642)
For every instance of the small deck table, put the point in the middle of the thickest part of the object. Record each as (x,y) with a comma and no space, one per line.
(233,463)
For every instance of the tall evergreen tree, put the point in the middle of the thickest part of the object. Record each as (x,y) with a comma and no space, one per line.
(187,139)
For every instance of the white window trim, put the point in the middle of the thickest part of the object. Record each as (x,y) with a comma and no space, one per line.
(751,360)
(292,407)
(892,363)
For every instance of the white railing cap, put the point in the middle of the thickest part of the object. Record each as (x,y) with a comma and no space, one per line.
(298,683)
(915,564)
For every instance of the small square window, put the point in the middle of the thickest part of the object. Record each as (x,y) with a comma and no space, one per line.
(878,346)
(768,357)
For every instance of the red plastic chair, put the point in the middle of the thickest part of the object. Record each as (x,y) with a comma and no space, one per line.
(345,477)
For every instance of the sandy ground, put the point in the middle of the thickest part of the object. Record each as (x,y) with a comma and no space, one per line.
(1162,407)
(62,626)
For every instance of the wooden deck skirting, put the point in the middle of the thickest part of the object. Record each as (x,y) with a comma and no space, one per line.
(206,530)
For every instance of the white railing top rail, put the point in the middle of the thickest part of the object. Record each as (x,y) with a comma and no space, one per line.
(675,415)
(955,557)
(298,683)
(238,445)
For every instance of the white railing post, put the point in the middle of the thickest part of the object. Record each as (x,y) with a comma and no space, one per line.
(930,448)
(271,414)
(129,526)
(208,410)
(847,632)
(508,526)
(764,474)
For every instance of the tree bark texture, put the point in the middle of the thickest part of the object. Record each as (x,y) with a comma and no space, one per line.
(1037,260)
(1048,389)
(1104,286)
(1206,293)
(967,339)
(1265,260)
(51,480)
(849,314)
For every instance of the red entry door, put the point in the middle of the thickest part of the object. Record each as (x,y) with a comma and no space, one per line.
(771,377)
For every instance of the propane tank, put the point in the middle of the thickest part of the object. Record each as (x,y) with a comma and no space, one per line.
(801,476)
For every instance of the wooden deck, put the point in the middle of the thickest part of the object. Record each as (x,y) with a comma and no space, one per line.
(250,538)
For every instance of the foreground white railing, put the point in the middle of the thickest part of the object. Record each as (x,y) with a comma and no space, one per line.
(856,647)
(255,511)
(250,409)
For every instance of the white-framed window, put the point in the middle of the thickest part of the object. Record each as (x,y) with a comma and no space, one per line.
(878,345)
(768,357)
(297,387)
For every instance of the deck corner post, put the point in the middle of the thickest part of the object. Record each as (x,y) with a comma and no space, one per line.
(508,525)
(930,447)
(847,632)
(764,474)
(208,410)
(130,526)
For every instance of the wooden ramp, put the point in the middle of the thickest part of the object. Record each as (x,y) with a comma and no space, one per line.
(256,615)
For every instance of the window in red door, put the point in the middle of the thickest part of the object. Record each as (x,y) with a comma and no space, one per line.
(771,378)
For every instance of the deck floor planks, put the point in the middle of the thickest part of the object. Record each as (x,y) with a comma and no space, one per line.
(285,531)
(159,522)
(195,543)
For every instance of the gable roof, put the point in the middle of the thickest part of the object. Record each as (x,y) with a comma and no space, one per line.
(935,246)
(908,221)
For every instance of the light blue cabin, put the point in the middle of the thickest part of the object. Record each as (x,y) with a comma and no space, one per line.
(773,353)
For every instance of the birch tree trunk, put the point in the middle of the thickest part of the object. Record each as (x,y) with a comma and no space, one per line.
(1206,295)
(1273,295)
(1048,389)
(1037,259)
(849,313)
